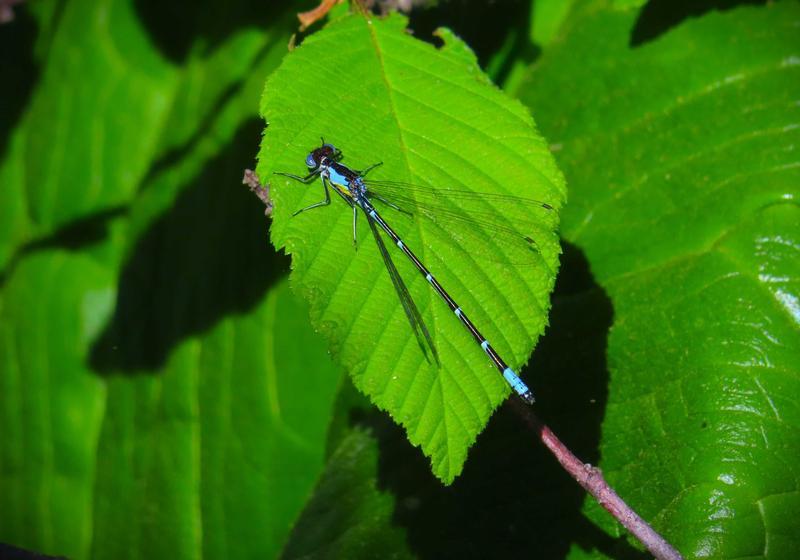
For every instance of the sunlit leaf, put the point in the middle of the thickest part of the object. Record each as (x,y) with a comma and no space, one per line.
(431,117)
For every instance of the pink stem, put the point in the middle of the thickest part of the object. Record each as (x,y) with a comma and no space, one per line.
(591,478)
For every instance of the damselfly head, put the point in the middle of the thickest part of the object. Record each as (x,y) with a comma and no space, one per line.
(327,151)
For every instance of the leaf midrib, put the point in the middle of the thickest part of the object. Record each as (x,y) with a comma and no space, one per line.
(404,154)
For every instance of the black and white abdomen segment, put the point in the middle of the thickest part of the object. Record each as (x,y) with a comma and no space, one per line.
(509,374)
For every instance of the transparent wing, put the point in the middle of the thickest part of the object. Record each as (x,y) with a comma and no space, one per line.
(503,228)
(412,312)
(436,193)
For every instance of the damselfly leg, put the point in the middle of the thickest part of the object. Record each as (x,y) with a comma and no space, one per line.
(364,172)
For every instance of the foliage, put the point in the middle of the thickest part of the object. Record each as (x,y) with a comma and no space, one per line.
(163,394)
(401,97)
(684,180)
(143,319)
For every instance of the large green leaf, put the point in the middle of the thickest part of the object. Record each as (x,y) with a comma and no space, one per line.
(109,104)
(91,128)
(431,117)
(136,465)
(52,408)
(682,155)
(145,409)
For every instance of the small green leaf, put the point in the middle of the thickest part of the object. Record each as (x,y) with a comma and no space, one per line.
(359,526)
(431,117)
(682,155)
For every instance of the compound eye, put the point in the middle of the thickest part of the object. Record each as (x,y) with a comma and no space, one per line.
(310,162)
(331,146)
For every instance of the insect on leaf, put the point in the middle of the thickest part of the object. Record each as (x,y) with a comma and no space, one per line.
(433,118)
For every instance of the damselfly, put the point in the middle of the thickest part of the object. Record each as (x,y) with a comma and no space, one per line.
(357,192)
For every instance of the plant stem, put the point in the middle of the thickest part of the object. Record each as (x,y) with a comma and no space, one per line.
(591,478)
(261,191)
(307,19)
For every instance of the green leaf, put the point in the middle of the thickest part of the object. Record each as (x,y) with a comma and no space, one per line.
(548,17)
(132,465)
(224,441)
(681,153)
(101,82)
(144,405)
(537,24)
(109,105)
(359,526)
(628,4)
(431,117)
(52,408)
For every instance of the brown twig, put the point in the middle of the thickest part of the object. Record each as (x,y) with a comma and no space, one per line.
(307,19)
(591,478)
(261,191)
